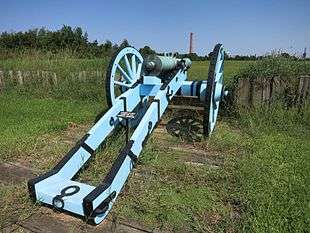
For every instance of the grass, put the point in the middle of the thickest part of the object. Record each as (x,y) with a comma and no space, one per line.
(15,203)
(71,86)
(260,184)
(199,70)
(24,118)
(275,176)
(62,65)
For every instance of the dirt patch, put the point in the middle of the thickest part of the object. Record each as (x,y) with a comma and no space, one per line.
(12,174)
(212,217)
(51,221)
(193,156)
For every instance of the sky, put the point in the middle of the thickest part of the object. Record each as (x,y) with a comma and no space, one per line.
(244,27)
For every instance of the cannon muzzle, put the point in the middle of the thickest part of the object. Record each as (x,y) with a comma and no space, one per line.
(156,65)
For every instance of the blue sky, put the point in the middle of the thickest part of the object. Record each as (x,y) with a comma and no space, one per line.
(244,27)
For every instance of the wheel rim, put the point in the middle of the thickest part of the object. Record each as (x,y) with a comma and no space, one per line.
(215,89)
(123,72)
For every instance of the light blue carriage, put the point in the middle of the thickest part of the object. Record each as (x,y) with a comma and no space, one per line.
(138,93)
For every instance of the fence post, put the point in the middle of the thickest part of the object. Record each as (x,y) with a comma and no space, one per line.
(10,76)
(45,79)
(80,75)
(20,80)
(303,90)
(1,80)
(26,76)
(242,94)
(54,79)
(266,90)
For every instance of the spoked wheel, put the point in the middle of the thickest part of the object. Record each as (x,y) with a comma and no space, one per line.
(215,90)
(124,71)
(186,128)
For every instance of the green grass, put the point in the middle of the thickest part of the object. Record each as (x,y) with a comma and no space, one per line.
(14,203)
(261,184)
(164,192)
(260,187)
(24,118)
(35,132)
(71,87)
(61,65)
(65,65)
(276,184)
(199,70)
(274,175)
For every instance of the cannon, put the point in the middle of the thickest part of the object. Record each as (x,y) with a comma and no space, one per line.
(138,91)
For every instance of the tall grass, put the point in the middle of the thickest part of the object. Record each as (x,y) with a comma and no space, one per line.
(71,86)
(273,176)
(275,66)
(62,65)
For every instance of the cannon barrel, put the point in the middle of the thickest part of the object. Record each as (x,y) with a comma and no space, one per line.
(156,65)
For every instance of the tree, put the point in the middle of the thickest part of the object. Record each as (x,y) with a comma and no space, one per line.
(124,43)
(67,38)
(286,55)
(146,50)
(107,45)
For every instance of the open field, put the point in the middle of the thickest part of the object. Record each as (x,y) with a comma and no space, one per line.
(252,175)
(64,66)
(69,81)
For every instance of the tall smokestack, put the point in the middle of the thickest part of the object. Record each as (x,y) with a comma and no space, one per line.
(304,55)
(191,42)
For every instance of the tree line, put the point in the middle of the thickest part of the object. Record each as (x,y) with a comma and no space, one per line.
(66,39)
(75,41)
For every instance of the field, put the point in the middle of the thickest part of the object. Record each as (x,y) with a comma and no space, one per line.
(252,175)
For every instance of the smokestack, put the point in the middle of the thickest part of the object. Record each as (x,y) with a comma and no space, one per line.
(191,43)
(304,55)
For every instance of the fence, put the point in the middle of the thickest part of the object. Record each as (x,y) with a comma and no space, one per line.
(262,91)
(44,78)
(246,93)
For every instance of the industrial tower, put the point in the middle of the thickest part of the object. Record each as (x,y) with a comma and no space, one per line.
(191,43)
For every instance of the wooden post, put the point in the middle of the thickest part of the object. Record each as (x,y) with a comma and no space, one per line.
(26,77)
(256,92)
(10,76)
(303,90)
(45,79)
(54,79)
(277,89)
(266,90)
(80,76)
(1,80)
(242,93)
(20,80)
